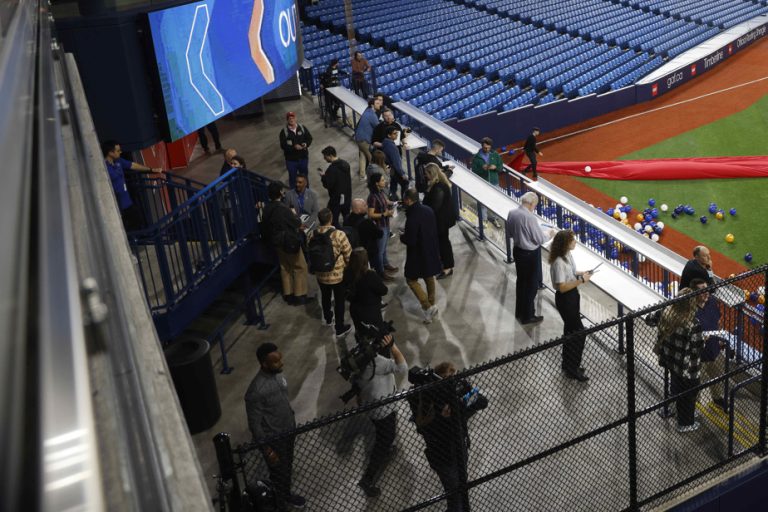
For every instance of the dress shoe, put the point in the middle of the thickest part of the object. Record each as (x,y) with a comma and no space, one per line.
(299,300)
(579,375)
(370,490)
(289,299)
(532,320)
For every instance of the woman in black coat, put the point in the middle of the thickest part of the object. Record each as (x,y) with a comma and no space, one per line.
(365,291)
(438,197)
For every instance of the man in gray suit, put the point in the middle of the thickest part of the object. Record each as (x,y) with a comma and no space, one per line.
(303,200)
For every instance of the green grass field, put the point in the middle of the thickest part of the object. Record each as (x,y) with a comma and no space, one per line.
(742,134)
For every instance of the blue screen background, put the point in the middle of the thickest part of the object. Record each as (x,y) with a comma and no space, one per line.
(207,74)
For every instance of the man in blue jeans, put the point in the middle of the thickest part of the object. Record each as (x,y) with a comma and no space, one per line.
(295,140)
(397,176)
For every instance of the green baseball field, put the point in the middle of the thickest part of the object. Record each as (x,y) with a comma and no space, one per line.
(742,134)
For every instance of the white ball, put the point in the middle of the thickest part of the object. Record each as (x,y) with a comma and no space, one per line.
(640,258)
(648,229)
(660,225)
(623,200)
(588,169)
(664,207)
(618,207)
(623,215)
(638,226)
(655,237)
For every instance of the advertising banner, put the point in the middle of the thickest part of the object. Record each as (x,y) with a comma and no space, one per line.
(214,56)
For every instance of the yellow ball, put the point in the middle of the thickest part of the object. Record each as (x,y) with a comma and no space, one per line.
(730,238)
(746,294)
(719,215)
(761,299)
(616,215)
(640,217)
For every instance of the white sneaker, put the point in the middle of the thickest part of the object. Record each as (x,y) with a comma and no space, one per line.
(429,314)
(689,428)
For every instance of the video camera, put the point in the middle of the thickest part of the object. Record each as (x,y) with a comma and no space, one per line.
(464,392)
(369,342)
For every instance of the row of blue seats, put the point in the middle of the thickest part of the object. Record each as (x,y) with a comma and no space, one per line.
(712,12)
(603,84)
(638,73)
(525,99)
(593,75)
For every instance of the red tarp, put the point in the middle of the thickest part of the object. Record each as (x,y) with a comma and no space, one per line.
(658,169)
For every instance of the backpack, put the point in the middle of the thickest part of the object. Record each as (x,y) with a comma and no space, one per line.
(419,176)
(322,257)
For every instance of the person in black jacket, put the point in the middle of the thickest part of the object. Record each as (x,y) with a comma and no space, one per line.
(365,291)
(438,197)
(368,233)
(226,166)
(531,150)
(295,140)
(422,260)
(331,77)
(337,179)
(429,157)
(280,227)
(700,266)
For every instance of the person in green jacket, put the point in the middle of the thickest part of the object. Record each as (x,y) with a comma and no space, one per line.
(487,163)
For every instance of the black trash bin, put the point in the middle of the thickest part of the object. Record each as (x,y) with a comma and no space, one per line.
(192,372)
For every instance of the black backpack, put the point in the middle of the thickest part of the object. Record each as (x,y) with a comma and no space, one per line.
(322,257)
(419,177)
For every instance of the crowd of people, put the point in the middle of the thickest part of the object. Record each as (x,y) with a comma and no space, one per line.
(344,245)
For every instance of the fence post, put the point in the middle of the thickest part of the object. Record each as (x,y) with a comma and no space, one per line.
(764,380)
(621,329)
(229,487)
(632,423)
(480,226)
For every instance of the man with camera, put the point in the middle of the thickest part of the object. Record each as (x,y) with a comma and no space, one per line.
(376,381)
(441,415)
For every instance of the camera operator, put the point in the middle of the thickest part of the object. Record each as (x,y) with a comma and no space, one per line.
(376,381)
(441,416)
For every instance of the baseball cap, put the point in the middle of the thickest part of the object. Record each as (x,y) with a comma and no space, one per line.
(290,114)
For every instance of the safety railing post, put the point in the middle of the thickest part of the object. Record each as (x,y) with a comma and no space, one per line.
(632,417)
(763,380)
(229,487)
(621,329)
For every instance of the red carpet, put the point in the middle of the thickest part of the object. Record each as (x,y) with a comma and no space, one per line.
(659,169)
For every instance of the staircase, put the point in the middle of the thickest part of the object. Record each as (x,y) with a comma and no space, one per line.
(197,241)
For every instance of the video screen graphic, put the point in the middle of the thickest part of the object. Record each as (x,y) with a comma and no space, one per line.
(215,56)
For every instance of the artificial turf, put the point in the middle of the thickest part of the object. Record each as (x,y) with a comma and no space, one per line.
(742,134)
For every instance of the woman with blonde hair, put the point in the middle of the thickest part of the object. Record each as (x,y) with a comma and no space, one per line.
(439,198)
(681,344)
(566,281)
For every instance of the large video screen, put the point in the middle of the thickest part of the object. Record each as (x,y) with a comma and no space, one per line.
(215,56)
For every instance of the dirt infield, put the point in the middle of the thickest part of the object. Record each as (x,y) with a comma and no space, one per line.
(624,136)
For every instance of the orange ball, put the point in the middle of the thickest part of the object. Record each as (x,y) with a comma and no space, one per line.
(746,294)
(640,217)
(761,299)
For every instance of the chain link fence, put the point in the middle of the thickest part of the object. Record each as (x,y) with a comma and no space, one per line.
(518,434)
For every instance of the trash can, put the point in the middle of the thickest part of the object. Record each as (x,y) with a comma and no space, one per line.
(189,361)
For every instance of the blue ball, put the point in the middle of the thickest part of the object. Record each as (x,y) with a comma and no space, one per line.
(690,210)
(753,296)
(628,208)
(614,253)
(651,202)
(599,209)
(609,211)
(566,225)
(703,219)
(674,214)
(732,211)
(712,208)
(655,213)
(748,257)
(657,230)
(761,307)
